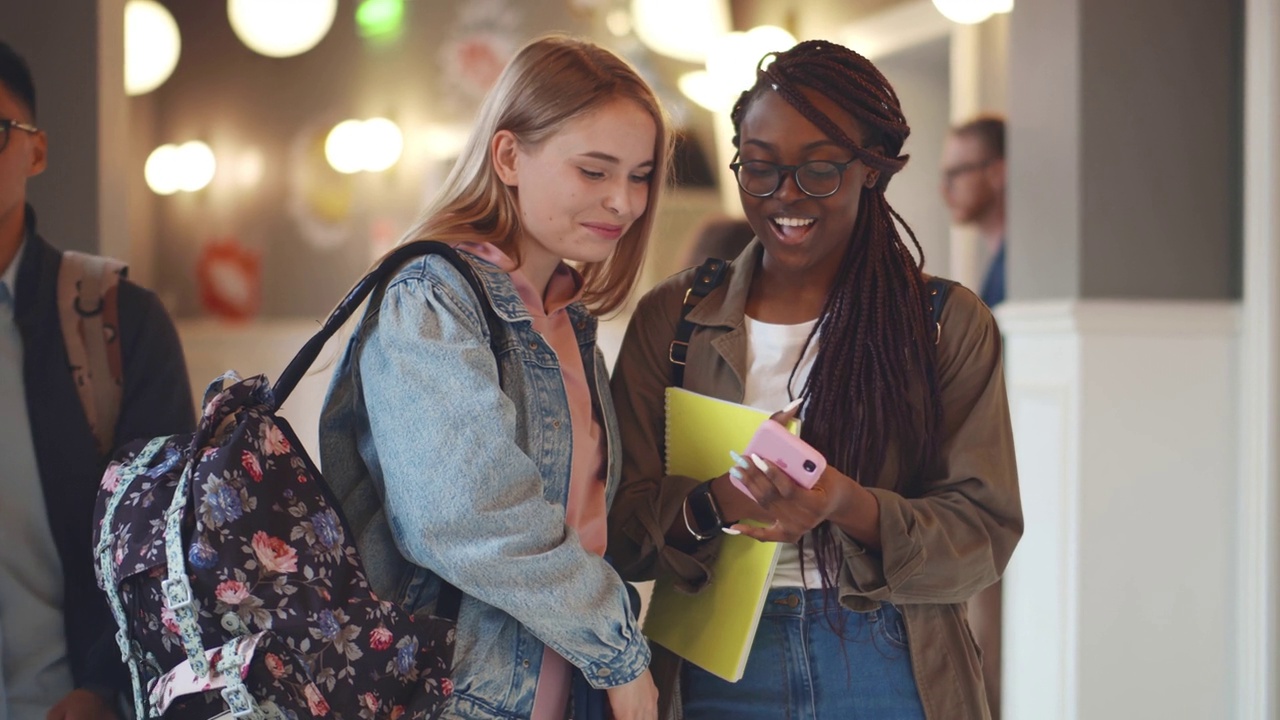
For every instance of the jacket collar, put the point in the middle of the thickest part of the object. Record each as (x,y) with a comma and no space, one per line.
(37,276)
(505,299)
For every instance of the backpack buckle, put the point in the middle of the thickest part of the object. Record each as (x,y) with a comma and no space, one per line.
(177,593)
(239,701)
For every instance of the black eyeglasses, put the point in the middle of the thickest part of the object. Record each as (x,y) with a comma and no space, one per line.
(816,178)
(6,128)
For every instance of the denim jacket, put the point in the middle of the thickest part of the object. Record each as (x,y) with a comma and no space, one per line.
(442,473)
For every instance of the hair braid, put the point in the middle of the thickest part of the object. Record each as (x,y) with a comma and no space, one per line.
(873,386)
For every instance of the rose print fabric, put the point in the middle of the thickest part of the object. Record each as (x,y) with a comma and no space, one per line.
(270,561)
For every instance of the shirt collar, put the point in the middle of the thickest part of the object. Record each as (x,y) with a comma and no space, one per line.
(10,278)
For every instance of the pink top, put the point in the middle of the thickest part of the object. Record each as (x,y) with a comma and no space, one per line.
(586,512)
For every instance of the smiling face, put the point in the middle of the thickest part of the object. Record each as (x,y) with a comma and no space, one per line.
(799,232)
(581,189)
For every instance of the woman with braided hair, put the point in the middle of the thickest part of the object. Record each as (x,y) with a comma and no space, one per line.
(828,309)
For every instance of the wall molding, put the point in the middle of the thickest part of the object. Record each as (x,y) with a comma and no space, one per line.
(1120,317)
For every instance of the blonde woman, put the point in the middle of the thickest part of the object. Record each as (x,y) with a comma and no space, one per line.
(489,463)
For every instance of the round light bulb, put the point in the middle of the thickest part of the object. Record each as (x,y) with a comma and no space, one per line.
(196,166)
(964,12)
(700,88)
(161,170)
(344,147)
(152,45)
(679,28)
(281,28)
(731,64)
(383,143)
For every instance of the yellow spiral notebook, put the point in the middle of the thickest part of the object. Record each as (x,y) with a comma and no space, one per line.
(713,629)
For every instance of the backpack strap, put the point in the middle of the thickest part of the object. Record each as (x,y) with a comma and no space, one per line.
(939,288)
(89,313)
(450,600)
(707,278)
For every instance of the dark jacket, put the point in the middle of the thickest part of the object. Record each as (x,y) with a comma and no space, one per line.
(157,401)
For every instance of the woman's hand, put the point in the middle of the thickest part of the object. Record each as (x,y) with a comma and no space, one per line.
(794,509)
(636,700)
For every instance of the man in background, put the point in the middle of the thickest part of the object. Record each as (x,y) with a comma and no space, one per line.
(58,656)
(973,186)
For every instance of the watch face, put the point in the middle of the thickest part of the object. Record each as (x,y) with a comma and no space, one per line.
(703,508)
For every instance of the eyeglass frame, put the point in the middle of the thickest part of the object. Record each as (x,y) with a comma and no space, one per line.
(8,124)
(950,174)
(784,170)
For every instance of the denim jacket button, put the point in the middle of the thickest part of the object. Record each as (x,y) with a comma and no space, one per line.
(555,424)
(533,346)
(526,662)
(604,672)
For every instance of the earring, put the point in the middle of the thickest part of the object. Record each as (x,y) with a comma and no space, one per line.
(871,179)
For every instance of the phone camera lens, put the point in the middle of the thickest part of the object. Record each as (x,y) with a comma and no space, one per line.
(809,466)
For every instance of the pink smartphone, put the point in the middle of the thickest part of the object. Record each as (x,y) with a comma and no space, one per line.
(797,458)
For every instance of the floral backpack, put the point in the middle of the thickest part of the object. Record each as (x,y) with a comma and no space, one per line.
(234,578)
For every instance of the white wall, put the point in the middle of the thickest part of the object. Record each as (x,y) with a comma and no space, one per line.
(920,75)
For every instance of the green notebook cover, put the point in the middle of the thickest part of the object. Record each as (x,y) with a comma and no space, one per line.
(713,629)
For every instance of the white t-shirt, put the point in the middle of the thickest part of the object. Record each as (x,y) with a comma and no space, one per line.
(772,353)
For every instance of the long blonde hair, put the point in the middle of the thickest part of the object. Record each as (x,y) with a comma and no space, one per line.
(550,82)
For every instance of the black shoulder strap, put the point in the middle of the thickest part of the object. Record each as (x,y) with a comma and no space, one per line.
(708,277)
(939,288)
(450,600)
(302,362)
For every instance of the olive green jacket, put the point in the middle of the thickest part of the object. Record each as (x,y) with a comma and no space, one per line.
(950,536)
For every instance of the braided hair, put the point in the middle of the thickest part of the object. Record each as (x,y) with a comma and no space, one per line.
(874,379)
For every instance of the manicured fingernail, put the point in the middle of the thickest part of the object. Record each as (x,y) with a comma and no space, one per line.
(759,463)
(793,405)
(735,473)
(741,461)
(730,531)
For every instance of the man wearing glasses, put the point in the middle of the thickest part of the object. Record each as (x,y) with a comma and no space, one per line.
(973,183)
(58,656)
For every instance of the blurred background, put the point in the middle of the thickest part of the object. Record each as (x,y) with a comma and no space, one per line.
(250,158)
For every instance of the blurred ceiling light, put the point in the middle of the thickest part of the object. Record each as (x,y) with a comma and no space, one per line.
(384,142)
(731,66)
(188,167)
(619,22)
(196,166)
(679,28)
(151,46)
(281,28)
(371,145)
(443,142)
(379,18)
(971,12)
(160,170)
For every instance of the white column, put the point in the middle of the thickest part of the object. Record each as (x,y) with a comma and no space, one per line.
(1119,601)
(1259,389)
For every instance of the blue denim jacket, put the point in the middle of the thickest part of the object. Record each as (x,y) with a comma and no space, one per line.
(442,473)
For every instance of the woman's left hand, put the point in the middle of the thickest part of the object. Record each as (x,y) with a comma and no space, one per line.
(795,509)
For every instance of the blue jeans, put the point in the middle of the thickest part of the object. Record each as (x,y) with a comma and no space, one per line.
(800,669)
